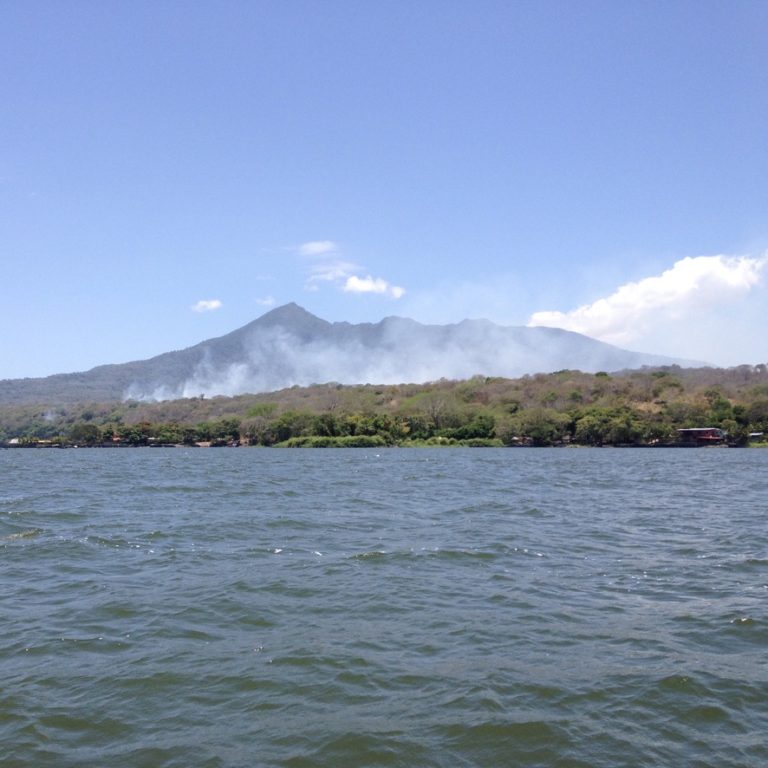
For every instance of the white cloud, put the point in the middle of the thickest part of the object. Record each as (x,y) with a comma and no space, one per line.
(355,284)
(317,248)
(206,305)
(266,301)
(331,271)
(635,310)
(329,266)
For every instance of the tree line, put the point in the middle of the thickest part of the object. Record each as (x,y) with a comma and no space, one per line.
(644,407)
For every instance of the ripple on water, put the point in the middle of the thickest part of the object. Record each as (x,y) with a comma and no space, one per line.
(437,608)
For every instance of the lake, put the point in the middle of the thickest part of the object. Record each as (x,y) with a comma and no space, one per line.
(564,608)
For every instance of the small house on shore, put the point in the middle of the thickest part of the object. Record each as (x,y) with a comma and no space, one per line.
(701,436)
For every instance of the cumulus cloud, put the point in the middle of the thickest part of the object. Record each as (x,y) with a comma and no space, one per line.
(355,284)
(329,266)
(689,287)
(206,305)
(317,248)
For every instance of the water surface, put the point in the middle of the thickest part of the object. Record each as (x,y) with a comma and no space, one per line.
(400,607)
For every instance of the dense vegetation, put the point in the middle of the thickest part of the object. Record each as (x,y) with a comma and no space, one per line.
(632,408)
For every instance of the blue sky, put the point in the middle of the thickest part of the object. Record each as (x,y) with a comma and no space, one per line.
(170,170)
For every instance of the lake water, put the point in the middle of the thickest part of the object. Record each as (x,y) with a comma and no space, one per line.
(401,607)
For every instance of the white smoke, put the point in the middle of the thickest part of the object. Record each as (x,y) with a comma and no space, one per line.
(396,351)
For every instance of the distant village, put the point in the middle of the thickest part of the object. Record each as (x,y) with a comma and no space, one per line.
(692,437)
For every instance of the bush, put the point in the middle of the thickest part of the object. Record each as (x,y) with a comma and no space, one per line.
(345,441)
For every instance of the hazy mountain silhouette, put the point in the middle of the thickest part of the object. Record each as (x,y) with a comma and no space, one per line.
(289,346)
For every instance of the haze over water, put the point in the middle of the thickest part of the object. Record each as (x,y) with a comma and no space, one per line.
(403,607)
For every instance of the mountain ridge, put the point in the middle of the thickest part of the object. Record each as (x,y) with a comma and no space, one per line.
(290,346)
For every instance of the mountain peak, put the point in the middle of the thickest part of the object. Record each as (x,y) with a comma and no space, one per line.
(289,345)
(291,317)
(291,311)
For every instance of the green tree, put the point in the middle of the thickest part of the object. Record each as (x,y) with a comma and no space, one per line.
(168,433)
(84,434)
(293,424)
(544,426)
(736,433)
(225,430)
(757,415)
(135,434)
(265,410)
(256,428)
(591,429)
(624,430)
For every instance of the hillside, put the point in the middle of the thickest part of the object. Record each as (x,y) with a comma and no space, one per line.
(634,407)
(289,346)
